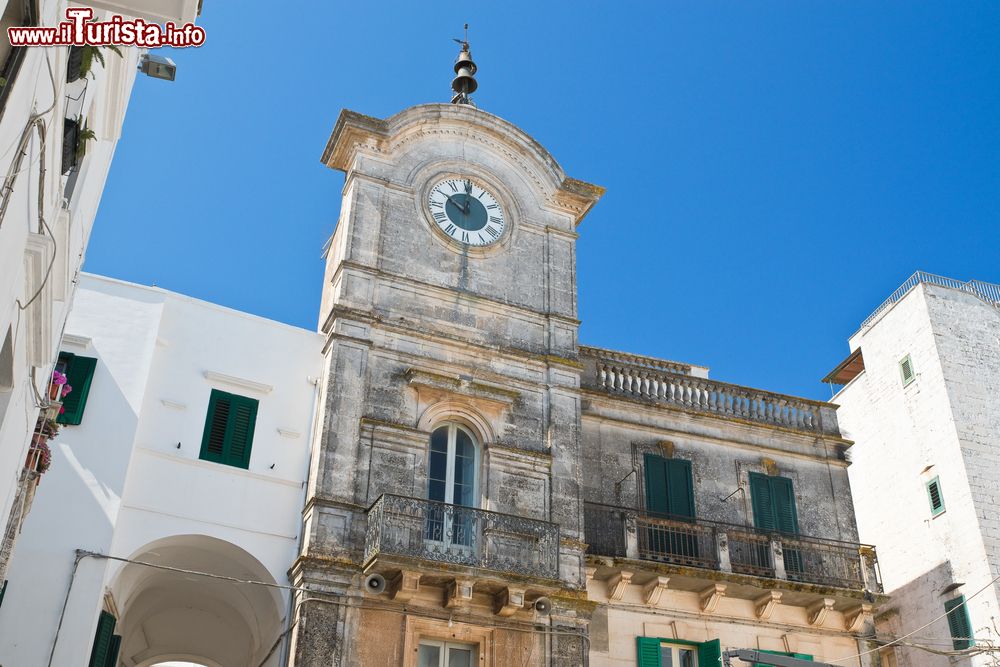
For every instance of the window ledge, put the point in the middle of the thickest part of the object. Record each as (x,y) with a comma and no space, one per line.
(239,382)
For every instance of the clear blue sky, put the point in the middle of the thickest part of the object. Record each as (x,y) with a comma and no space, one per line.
(774,169)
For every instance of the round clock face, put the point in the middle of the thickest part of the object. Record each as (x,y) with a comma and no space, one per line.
(466,211)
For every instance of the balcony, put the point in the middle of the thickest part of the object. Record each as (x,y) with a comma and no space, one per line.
(621,532)
(428,530)
(670,384)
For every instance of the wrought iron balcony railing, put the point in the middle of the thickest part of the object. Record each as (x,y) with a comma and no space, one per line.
(444,533)
(629,533)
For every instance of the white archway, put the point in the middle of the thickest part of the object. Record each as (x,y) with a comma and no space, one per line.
(166,616)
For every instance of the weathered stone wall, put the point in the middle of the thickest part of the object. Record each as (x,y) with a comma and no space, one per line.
(422,332)
(617,432)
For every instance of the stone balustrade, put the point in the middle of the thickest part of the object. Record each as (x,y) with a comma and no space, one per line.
(612,373)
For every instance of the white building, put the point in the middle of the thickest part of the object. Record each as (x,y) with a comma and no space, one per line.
(921,402)
(154,473)
(48,199)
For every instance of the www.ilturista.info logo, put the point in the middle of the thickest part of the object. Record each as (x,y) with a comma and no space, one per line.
(79,30)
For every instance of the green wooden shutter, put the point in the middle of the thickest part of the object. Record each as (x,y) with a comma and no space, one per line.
(958,623)
(710,654)
(116,644)
(102,640)
(783,499)
(649,648)
(680,488)
(213,441)
(656,484)
(79,374)
(760,501)
(935,497)
(242,419)
(229,427)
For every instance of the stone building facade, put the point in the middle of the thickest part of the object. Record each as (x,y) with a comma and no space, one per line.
(920,401)
(524,499)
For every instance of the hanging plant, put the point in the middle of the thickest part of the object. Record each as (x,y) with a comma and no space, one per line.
(76,134)
(85,135)
(87,55)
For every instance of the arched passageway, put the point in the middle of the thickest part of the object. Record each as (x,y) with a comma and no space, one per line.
(168,617)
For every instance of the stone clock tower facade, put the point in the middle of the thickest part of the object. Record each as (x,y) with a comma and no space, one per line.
(443,516)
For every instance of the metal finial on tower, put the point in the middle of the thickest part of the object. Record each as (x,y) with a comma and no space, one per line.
(464,83)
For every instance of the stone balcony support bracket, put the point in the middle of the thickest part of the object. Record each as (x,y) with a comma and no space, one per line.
(765,604)
(458,593)
(617,585)
(508,601)
(854,620)
(403,586)
(817,613)
(710,597)
(652,591)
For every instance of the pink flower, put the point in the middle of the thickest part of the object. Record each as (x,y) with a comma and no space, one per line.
(58,378)
(66,389)
(61,409)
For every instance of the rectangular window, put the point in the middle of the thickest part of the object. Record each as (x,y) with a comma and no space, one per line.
(658,652)
(773,502)
(446,654)
(229,427)
(958,623)
(934,496)
(104,643)
(79,372)
(669,487)
(906,370)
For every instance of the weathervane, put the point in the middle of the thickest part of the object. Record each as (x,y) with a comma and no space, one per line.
(464,83)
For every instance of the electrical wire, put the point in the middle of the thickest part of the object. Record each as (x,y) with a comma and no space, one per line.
(922,627)
(513,626)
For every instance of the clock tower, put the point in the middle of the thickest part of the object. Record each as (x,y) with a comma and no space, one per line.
(443,515)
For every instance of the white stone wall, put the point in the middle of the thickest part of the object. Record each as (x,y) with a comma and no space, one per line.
(944,424)
(27,247)
(119,482)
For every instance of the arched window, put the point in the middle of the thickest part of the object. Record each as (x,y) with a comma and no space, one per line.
(452,468)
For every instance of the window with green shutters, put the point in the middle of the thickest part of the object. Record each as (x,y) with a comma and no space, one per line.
(934,496)
(651,649)
(669,486)
(104,642)
(229,429)
(958,623)
(79,373)
(773,502)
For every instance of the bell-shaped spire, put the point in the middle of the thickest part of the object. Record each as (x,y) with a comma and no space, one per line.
(464,83)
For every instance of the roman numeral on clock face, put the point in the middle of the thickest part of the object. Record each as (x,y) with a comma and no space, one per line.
(440,216)
(492,232)
(450,229)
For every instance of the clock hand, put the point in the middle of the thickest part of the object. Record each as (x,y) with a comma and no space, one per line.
(468,196)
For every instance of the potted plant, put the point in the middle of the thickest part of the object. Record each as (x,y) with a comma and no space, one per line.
(81,60)
(39,457)
(58,388)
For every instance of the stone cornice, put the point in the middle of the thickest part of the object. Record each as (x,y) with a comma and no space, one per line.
(465,385)
(355,132)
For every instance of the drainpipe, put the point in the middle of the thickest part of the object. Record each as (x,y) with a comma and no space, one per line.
(283,656)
